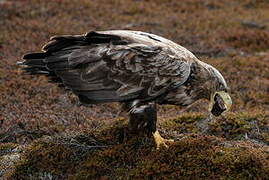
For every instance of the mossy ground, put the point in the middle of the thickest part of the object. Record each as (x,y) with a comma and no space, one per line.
(107,155)
(45,134)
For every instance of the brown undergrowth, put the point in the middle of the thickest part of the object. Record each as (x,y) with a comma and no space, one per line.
(46,134)
(113,153)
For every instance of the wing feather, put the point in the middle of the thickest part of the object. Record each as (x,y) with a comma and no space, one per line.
(103,68)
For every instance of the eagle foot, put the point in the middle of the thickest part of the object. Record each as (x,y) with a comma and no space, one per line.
(160,141)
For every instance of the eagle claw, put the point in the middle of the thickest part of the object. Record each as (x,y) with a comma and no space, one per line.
(160,141)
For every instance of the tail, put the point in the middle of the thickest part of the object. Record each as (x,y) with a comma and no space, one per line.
(58,49)
(78,64)
(34,63)
(54,57)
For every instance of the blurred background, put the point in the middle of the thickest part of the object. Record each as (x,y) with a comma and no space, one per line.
(233,36)
(45,134)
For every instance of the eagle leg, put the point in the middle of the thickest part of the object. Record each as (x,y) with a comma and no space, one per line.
(143,118)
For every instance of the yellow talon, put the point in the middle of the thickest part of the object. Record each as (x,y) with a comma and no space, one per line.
(160,141)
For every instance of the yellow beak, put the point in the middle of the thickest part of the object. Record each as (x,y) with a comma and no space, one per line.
(225,97)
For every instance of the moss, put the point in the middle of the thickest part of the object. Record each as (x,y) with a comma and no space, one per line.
(9,155)
(7,146)
(6,149)
(202,157)
(242,125)
(56,158)
(194,156)
(183,123)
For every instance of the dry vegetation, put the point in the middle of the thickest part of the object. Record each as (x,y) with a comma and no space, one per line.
(44,133)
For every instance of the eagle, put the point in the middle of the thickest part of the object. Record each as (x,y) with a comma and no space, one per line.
(136,69)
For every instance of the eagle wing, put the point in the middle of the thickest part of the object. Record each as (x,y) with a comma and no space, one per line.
(105,68)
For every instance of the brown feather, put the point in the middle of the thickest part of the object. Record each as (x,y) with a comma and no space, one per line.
(120,66)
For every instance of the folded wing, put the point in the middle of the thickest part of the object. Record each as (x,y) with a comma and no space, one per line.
(107,68)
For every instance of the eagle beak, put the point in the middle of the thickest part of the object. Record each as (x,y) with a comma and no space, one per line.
(220,102)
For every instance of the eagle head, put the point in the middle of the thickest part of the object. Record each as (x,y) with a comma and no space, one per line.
(220,100)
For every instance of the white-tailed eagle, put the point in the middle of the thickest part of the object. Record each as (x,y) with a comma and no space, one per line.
(134,68)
